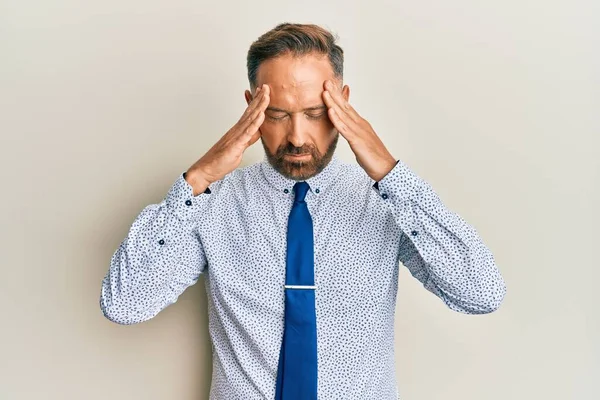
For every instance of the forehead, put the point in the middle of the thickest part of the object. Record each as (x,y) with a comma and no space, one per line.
(295,82)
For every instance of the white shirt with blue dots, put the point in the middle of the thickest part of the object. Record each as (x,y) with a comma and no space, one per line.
(235,233)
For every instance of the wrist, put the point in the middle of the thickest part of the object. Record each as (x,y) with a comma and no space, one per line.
(197,180)
(383,173)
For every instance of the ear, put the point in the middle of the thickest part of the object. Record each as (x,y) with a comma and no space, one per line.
(248,96)
(346,92)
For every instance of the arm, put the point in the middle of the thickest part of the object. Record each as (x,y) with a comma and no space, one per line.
(160,257)
(162,254)
(438,247)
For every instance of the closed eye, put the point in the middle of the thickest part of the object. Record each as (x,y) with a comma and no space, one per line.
(311,116)
(272,118)
(315,116)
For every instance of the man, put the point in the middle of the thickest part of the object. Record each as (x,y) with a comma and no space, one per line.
(301,250)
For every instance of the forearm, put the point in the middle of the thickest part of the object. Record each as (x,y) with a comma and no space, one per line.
(439,247)
(160,257)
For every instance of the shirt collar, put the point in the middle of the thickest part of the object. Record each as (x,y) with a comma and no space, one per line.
(318,183)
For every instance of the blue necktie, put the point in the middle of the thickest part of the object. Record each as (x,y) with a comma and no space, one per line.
(297,370)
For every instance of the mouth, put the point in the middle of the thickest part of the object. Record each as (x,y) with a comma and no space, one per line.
(298,156)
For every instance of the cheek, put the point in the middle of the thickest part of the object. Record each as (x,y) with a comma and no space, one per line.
(270,130)
(324,127)
(323,133)
(325,122)
(271,135)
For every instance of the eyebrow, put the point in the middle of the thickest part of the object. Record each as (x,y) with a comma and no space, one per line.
(314,108)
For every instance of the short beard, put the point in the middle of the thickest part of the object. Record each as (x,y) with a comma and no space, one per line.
(300,170)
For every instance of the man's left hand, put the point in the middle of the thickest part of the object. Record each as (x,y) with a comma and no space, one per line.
(371,154)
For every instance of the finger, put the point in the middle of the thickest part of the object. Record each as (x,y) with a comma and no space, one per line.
(338,123)
(342,116)
(255,101)
(260,108)
(259,100)
(336,95)
(253,131)
(258,133)
(251,113)
(248,128)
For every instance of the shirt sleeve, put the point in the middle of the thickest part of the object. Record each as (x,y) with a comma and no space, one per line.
(159,258)
(440,248)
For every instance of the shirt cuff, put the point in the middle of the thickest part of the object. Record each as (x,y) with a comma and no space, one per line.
(181,200)
(399,189)
(400,184)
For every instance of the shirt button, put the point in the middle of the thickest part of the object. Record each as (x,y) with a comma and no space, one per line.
(188,202)
(161,242)
(317,191)
(286,191)
(414,233)
(385,196)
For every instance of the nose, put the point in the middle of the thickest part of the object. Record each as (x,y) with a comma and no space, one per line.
(298,130)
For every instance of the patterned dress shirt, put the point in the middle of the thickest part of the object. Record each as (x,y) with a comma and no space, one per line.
(235,233)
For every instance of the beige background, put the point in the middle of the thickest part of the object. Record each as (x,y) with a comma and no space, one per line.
(104,103)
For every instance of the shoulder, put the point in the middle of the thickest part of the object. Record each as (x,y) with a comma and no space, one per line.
(354,174)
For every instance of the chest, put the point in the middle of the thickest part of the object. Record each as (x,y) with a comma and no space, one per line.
(355,238)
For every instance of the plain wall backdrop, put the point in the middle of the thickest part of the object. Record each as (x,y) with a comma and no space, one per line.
(495,103)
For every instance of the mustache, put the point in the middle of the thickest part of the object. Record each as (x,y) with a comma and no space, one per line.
(295,151)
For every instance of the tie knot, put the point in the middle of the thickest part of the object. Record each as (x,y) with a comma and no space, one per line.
(300,190)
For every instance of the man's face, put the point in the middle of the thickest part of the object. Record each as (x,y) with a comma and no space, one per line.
(298,137)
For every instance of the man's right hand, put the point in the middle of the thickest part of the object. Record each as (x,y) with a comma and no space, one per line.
(226,155)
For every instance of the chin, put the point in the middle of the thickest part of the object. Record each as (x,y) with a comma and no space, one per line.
(298,170)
